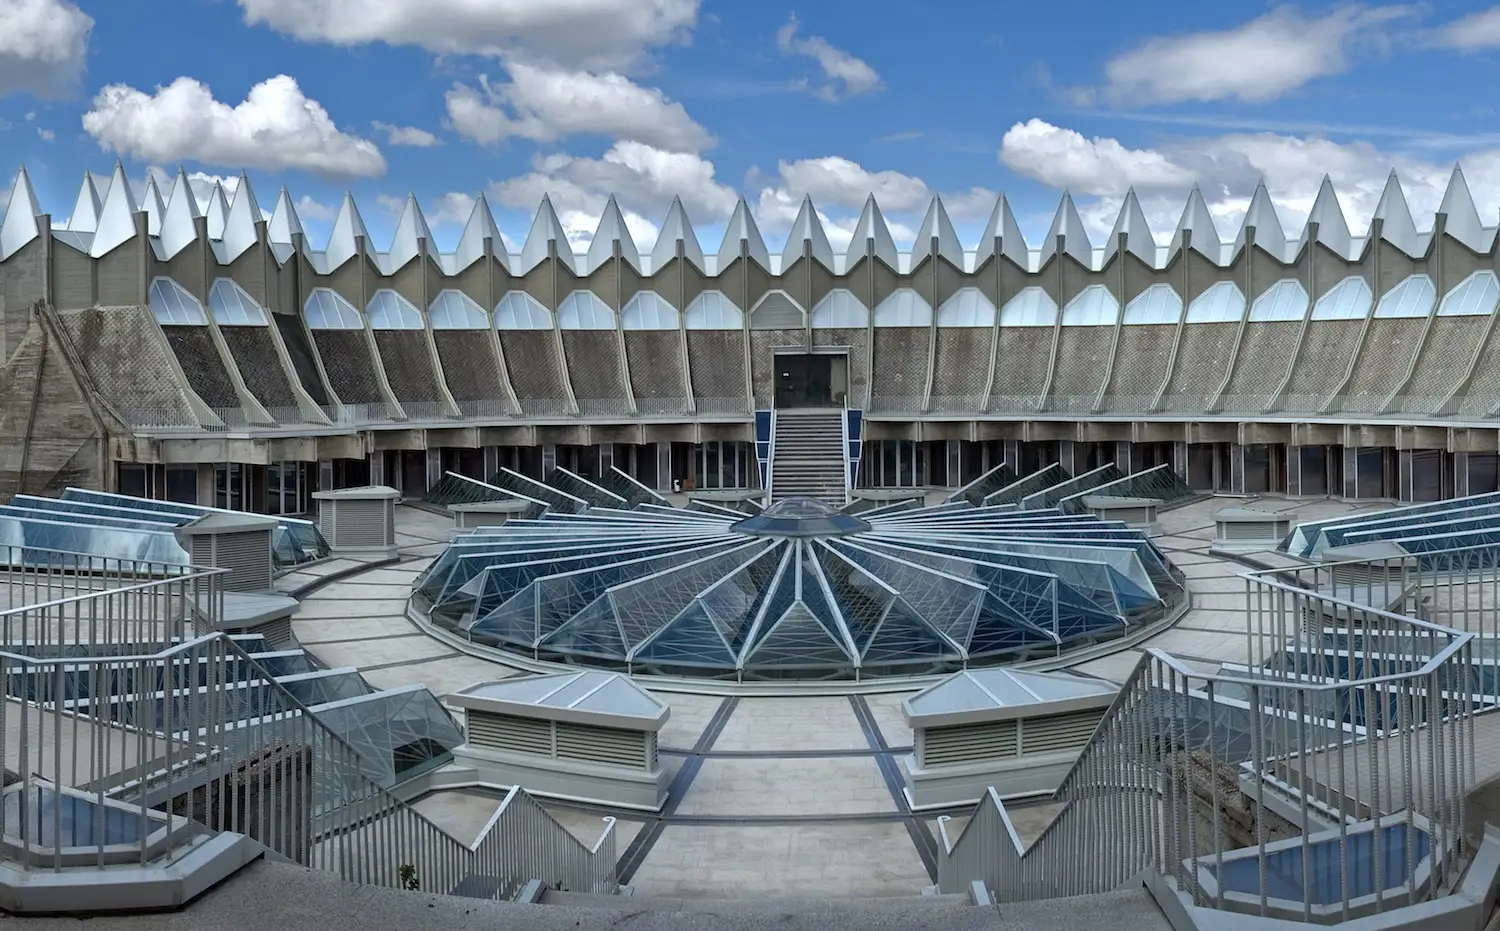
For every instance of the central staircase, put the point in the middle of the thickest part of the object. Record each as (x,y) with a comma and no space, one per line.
(808,456)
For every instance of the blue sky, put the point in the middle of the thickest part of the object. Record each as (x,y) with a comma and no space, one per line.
(712,101)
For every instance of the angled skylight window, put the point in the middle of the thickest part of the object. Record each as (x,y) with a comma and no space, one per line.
(648,311)
(232,306)
(390,311)
(1221,302)
(1475,296)
(1158,304)
(1284,301)
(583,310)
(327,310)
(172,304)
(518,310)
(1031,307)
(1093,306)
(776,310)
(1414,297)
(711,310)
(903,307)
(840,309)
(455,310)
(968,307)
(1350,299)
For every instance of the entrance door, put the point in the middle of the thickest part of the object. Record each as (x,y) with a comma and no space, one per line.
(804,380)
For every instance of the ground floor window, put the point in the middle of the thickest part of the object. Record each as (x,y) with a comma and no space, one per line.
(723,464)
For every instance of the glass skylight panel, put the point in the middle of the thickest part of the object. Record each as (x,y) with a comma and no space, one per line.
(1413,297)
(1350,299)
(1033,307)
(840,309)
(1221,302)
(171,304)
(328,310)
(968,307)
(1475,296)
(390,311)
(518,310)
(1158,304)
(583,310)
(1093,306)
(231,306)
(1283,301)
(455,310)
(711,310)
(648,311)
(903,307)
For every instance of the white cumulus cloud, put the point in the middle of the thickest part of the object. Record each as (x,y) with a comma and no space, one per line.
(844,75)
(276,127)
(43,46)
(412,136)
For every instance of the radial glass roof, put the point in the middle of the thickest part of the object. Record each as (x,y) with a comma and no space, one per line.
(799,591)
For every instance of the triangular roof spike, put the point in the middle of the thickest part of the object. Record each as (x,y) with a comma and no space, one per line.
(240,232)
(1132,224)
(1003,226)
(612,229)
(348,236)
(155,208)
(742,228)
(936,224)
(807,229)
(1462,219)
(1068,225)
(871,235)
(412,235)
(1270,235)
(178,225)
(1197,219)
(1333,229)
(18,225)
(479,228)
(1396,224)
(674,229)
(85,215)
(217,212)
(546,229)
(284,222)
(116,216)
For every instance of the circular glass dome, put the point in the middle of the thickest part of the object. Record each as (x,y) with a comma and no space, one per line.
(801,590)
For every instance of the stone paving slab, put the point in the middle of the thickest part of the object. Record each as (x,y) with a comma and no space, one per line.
(689,718)
(886,710)
(321,607)
(442,676)
(309,631)
(788,786)
(588,827)
(811,723)
(378,652)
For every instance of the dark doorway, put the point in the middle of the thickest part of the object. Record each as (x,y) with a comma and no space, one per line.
(804,380)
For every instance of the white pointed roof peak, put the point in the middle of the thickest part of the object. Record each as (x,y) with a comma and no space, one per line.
(1197,220)
(348,236)
(479,229)
(611,230)
(1132,224)
(1067,225)
(873,237)
(412,235)
(240,230)
(1396,224)
(217,212)
(85,215)
(546,230)
(284,223)
(116,216)
(1002,226)
(807,233)
(674,229)
(1461,218)
(742,229)
(155,208)
(18,224)
(1333,229)
(1270,235)
(179,224)
(937,225)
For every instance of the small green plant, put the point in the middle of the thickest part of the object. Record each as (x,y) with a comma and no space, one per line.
(406,875)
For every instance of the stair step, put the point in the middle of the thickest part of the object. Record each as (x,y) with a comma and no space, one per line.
(757,906)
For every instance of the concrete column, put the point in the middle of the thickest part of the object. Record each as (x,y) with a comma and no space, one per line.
(434,466)
(1067,456)
(377,468)
(1403,475)
(955,455)
(1125,456)
(491,461)
(606,457)
(1294,470)
(549,460)
(1460,475)
(325,475)
(1180,458)
(207,483)
(663,466)
(1236,469)
(1351,472)
(1013,453)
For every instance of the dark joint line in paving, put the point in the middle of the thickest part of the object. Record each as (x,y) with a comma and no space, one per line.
(921,837)
(784,754)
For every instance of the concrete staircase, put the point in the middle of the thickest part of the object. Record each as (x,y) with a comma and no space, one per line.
(808,456)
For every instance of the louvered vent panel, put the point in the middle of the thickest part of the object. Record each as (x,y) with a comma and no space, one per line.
(653,751)
(510,733)
(248,557)
(1059,733)
(969,743)
(776,312)
(278,633)
(203,550)
(608,745)
(1253,531)
(361,523)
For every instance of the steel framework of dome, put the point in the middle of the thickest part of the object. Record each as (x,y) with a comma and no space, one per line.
(799,591)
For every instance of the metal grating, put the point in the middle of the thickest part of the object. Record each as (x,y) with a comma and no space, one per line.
(248,557)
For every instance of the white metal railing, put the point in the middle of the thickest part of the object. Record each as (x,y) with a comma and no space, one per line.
(1180,776)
